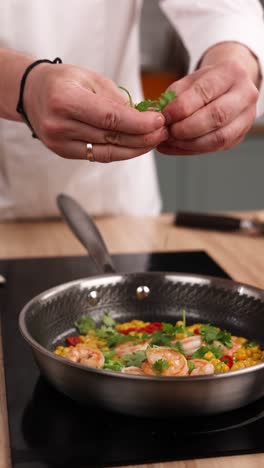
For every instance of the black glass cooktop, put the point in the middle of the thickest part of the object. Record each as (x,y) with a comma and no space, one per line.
(48,430)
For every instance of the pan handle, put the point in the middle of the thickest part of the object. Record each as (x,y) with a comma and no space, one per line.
(86,231)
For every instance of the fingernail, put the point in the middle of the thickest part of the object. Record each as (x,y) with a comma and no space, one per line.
(168,118)
(164,134)
(159,122)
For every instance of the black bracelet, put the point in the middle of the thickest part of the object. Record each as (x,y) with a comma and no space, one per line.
(20,104)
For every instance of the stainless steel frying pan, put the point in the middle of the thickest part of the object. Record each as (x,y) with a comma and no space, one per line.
(48,318)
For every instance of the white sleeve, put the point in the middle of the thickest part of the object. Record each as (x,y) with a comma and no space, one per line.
(203,23)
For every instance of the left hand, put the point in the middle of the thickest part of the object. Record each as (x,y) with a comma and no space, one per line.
(214,109)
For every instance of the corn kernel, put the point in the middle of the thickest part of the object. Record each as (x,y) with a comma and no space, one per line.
(180,336)
(215,361)
(209,355)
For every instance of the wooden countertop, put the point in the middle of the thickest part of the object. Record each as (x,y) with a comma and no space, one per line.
(240,255)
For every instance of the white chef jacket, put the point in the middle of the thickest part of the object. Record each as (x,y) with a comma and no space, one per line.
(101,35)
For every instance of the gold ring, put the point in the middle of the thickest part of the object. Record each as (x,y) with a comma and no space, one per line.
(89,153)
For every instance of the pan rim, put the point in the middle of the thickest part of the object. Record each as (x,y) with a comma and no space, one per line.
(241,288)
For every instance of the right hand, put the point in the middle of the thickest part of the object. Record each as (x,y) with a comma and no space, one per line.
(69,107)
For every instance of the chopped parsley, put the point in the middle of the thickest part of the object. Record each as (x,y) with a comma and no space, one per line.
(199,354)
(84,324)
(178,347)
(108,321)
(111,363)
(134,359)
(191,366)
(251,344)
(210,334)
(158,338)
(160,365)
(168,328)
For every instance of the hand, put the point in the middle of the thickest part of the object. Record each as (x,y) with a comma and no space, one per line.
(215,108)
(69,107)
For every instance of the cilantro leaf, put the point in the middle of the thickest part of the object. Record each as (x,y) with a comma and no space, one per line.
(110,363)
(199,354)
(156,105)
(134,359)
(164,99)
(250,344)
(184,318)
(191,366)
(129,96)
(225,338)
(160,365)
(216,350)
(178,347)
(113,365)
(116,339)
(209,333)
(168,328)
(84,324)
(108,321)
(159,339)
(145,105)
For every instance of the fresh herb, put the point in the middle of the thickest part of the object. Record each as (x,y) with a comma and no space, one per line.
(199,354)
(216,350)
(159,339)
(168,328)
(156,105)
(110,363)
(129,96)
(210,334)
(108,332)
(145,105)
(114,338)
(225,338)
(184,318)
(108,321)
(84,324)
(178,347)
(145,336)
(191,366)
(251,344)
(134,359)
(160,365)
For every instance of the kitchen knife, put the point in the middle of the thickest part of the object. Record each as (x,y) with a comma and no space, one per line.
(217,222)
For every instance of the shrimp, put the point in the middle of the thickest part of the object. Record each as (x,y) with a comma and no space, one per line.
(202,367)
(177,363)
(236,344)
(82,354)
(130,347)
(190,344)
(223,348)
(132,370)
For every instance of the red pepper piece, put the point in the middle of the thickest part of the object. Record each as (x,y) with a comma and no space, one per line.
(196,331)
(128,330)
(73,340)
(152,327)
(227,360)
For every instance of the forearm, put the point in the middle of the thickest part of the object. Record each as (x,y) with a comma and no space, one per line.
(236,52)
(12,66)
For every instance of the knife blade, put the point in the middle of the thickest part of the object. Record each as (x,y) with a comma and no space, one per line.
(217,222)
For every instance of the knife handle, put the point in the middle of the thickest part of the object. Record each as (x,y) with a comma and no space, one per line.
(207,221)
